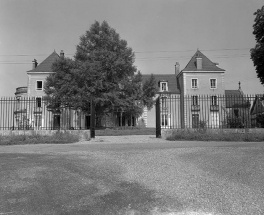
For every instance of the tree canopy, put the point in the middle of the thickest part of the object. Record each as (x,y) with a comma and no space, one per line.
(103,70)
(257,53)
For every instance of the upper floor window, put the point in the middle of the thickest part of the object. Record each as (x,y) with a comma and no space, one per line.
(163,86)
(39,85)
(213,83)
(194,83)
(194,100)
(214,100)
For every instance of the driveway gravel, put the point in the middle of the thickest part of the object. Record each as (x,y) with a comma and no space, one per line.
(133,175)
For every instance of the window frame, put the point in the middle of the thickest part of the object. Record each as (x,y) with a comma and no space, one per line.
(214,101)
(38,102)
(39,89)
(192,86)
(38,120)
(215,87)
(195,100)
(161,85)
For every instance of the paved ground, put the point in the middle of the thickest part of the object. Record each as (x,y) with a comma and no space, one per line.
(133,175)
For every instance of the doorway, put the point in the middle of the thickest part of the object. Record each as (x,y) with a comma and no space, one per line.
(56,122)
(87,122)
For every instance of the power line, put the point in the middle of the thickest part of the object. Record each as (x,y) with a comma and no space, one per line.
(157,51)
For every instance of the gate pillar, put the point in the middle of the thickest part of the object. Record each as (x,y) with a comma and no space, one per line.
(158,125)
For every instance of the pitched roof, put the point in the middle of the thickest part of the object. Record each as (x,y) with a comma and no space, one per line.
(236,99)
(45,65)
(258,105)
(170,78)
(207,65)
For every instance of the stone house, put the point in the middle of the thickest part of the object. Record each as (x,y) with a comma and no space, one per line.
(181,94)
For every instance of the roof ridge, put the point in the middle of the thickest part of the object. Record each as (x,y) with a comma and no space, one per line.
(208,65)
(45,65)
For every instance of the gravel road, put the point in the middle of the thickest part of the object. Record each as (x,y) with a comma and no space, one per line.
(133,175)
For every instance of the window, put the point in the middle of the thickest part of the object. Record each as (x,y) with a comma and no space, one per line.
(194,83)
(194,100)
(163,103)
(38,102)
(215,119)
(164,86)
(38,120)
(213,83)
(164,120)
(39,85)
(214,100)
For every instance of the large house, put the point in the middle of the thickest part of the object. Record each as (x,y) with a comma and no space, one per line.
(182,95)
(33,113)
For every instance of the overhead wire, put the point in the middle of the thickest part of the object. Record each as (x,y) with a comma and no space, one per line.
(147,58)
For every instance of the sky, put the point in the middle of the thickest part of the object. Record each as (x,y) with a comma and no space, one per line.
(160,32)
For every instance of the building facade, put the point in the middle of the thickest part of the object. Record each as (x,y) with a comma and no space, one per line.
(182,99)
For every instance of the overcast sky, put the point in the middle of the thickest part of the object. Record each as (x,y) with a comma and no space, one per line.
(161,32)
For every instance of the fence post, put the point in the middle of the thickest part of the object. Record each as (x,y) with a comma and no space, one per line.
(158,126)
(92,120)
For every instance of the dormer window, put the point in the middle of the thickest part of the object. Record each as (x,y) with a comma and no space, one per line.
(163,86)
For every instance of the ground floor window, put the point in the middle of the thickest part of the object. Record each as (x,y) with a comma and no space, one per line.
(38,121)
(215,119)
(195,120)
(164,120)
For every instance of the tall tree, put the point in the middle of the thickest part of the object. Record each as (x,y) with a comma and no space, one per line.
(257,53)
(103,69)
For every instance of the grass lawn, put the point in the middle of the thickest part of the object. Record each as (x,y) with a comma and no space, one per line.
(134,179)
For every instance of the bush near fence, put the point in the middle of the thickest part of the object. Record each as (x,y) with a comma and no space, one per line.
(244,135)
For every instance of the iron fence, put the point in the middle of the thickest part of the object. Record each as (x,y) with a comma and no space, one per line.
(36,113)
(173,111)
(210,111)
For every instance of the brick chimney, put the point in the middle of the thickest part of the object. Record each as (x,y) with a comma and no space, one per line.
(177,68)
(199,62)
(34,64)
(62,54)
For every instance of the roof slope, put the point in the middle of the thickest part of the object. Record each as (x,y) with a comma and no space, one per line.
(170,78)
(207,65)
(236,99)
(45,65)
(258,105)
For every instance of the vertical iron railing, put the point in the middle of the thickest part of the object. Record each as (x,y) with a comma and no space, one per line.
(158,117)
(173,111)
(209,111)
(35,113)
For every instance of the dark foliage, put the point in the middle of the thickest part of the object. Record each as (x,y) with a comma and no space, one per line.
(257,53)
(102,70)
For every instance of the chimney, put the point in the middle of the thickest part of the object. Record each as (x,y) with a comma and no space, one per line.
(34,64)
(177,68)
(199,63)
(62,54)
(217,64)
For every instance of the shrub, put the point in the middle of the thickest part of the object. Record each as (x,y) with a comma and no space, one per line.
(58,137)
(235,122)
(196,135)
